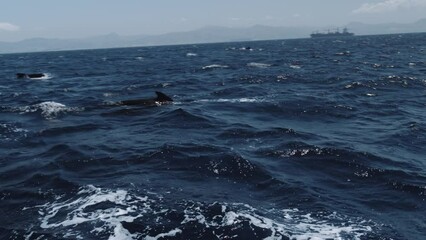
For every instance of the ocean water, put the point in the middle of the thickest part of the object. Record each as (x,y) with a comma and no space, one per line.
(285,139)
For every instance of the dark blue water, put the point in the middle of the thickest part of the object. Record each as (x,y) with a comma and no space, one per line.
(290,139)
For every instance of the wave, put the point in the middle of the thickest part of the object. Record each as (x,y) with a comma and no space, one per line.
(409,135)
(384,82)
(205,161)
(191,54)
(94,212)
(181,118)
(53,132)
(247,132)
(361,168)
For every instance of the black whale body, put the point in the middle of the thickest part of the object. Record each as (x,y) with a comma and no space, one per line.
(160,99)
(30,75)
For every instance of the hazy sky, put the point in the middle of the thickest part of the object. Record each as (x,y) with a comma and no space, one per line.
(20,19)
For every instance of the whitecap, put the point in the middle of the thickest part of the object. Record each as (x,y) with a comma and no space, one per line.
(233,100)
(214,66)
(108,94)
(49,109)
(191,54)
(345,53)
(281,77)
(258,65)
(295,66)
(353,85)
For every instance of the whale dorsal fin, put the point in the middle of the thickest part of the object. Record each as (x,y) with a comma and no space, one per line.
(161,97)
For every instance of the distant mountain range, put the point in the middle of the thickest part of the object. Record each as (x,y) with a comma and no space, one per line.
(209,34)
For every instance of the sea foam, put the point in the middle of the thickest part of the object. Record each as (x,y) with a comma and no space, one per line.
(95,211)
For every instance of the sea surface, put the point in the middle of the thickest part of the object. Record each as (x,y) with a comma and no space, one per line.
(284,139)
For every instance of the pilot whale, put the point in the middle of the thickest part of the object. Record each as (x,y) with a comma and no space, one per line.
(159,100)
(30,75)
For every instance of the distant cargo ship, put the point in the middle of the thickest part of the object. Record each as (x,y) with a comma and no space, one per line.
(337,33)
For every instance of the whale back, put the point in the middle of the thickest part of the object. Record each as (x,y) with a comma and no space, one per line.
(21,75)
(35,75)
(30,75)
(161,98)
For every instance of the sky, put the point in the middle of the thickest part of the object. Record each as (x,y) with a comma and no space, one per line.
(23,19)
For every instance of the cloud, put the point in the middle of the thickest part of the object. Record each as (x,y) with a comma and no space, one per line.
(389,6)
(8,27)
